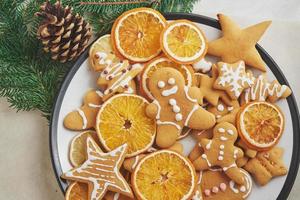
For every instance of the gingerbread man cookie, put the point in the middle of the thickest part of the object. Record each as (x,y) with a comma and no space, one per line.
(233,78)
(266,165)
(85,116)
(175,106)
(221,152)
(213,184)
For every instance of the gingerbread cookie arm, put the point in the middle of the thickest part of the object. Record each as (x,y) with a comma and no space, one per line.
(201,163)
(235,174)
(152,110)
(203,142)
(195,93)
(238,152)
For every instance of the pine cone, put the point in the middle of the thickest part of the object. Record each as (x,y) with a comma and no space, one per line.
(62,33)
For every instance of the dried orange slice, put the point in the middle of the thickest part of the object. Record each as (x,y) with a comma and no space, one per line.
(136,34)
(260,125)
(78,147)
(122,119)
(159,62)
(77,191)
(183,42)
(164,175)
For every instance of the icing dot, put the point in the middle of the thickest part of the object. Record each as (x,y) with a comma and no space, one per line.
(220,107)
(178,117)
(172,102)
(207,192)
(171,81)
(220,158)
(161,84)
(221,130)
(243,189)
(221,152)
(223,138)
(230,108)
(176,109)
(230,132)
(204,156)
(215,189)
(222,146)
(218,116)
(234,156)
(223,186)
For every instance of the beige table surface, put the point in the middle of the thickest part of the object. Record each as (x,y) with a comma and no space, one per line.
(25,168)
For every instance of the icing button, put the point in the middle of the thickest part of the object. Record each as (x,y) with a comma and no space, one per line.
(207,192)
(204,156)
(178,117)
(223,187)
(222,146)
(220,158)
(215,189)
(221,152)
(176,109)
(172,102)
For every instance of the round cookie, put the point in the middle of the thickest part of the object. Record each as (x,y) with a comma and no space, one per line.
(215,185)
(175,106)
(221,152)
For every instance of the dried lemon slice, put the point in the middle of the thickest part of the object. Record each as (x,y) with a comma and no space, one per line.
(164,175)
(77,191)
(260,125)
(136,34)
(122,119)
(183,42)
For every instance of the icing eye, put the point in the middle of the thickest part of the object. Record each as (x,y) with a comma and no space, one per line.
(221,130)
(161,84)
(171,81)
(230,132)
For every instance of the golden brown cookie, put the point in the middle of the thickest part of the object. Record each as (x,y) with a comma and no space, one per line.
(175,106)
(263,90)
(101,171)
(198,135)
(266,165)
(225,113)
(238,44)
(85,116)
(241,162)
(233,78)
(221,152)
(251,153)
(215,185)
(209,93)
(202,66)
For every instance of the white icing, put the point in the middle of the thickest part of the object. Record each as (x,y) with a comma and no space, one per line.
(151,150)
(171,81)
(223,138)
(170,91)
(222,146)
(220,158)
(264,89)
(230,166)
(221,152)
(94,105)
(186,92)
(129,90)
(83,117)
(169,123)
(197,196)
(230,132)
(196,107)
(221,130)
(161,84)
(229,108)
(116,196)
(237,79)
(235,153)
(102,58)
(220,107)
(232,187)
(136,160)
(243,188)
(203,65)
(208,145)
(100,94)
(204,156)
(176,109)
(218,116)
(172,102)
(178,117)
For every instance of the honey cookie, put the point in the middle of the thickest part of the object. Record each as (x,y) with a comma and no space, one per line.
(221,152)
(210,94)
(225,113)
(101,171)
(238,44)
(266,165)
(118,78)
(85,116)
(263,90)
(175,106)
(233,78)
(215,185)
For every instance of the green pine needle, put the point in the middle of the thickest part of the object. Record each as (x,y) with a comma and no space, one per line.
(29,79)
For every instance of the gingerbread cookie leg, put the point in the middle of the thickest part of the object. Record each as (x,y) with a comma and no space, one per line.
(234,173)
(200,119)
(166,135)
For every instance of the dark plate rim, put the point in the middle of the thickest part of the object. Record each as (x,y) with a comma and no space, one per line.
(284,193)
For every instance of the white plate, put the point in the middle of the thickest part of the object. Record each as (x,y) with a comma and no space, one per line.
(80,79)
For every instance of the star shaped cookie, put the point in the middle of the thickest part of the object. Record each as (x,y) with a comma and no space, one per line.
(101,171)
(209,93)
(239,44)
(233,78)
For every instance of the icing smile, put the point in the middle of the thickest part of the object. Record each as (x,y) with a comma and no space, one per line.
(170,91)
